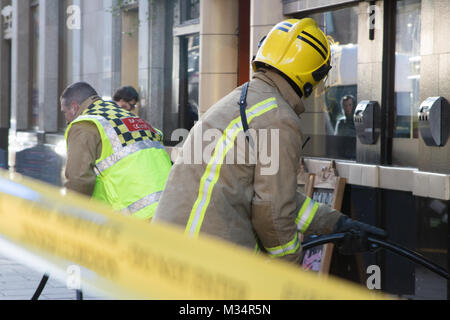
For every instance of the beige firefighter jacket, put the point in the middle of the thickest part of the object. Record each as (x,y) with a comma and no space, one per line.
(84,146)
(252,204)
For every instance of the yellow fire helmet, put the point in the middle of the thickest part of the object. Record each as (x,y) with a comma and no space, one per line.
(299,50)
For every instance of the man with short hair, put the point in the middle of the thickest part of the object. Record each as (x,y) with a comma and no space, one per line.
(112,155)
(126,97)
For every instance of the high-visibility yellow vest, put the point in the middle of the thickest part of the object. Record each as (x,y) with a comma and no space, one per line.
(133,167)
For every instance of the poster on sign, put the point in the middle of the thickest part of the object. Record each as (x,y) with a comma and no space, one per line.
(328,188)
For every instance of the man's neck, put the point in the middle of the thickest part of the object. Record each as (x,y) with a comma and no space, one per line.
(86,103)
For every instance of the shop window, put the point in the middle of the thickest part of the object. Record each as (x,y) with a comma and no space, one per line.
(407,83)
(189,10)
(184,111)
(407,68)
(189,76)
(328,119)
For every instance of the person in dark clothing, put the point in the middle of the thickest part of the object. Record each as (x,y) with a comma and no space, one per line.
(345,125)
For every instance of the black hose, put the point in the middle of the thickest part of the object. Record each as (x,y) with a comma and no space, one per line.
(411,255)
(318,241)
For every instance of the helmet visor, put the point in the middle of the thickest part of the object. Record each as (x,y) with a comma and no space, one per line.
(321,73)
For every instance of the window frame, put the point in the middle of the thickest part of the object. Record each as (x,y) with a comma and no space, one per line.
(181,32)
(184,19)
(398,149)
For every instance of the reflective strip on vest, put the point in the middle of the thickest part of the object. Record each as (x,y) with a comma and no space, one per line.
(126,151)
(119,153)
(212,173)
(306,214)
(288,248)
(109,130)
(144,202)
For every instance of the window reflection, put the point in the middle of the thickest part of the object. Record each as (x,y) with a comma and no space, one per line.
(329,112)
(407,68)
(345,125)
(190,10)
(192,77)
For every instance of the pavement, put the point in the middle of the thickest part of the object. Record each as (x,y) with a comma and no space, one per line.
(19,282)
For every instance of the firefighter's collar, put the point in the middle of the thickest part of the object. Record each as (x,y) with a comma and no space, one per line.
(284,88)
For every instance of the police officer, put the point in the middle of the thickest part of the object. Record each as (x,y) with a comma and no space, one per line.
(112,155)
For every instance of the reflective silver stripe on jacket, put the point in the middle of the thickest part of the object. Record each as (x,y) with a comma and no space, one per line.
(288,248)
(120,152)
(306,214)
(144,202)
(212,173)
(126,151)
(109,130)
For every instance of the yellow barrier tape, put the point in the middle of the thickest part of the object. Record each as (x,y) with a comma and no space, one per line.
(138,260)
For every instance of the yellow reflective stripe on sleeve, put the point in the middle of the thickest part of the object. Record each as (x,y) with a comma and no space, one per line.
(286,249)
(306,214)
(212,173)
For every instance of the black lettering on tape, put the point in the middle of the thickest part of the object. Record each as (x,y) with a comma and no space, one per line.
(67,248)
(217,286)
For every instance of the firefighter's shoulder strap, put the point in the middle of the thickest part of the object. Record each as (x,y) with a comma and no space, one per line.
(243,106)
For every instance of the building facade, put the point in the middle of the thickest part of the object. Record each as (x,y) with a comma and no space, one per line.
(184,55)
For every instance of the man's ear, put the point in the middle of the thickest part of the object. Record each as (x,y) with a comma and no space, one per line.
(75,107)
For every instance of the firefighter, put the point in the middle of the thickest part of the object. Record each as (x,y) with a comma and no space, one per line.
(242,203)
(112,155)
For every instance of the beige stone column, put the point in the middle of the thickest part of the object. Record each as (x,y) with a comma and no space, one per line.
(370,55)
(264,14)
(219,23)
